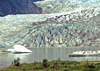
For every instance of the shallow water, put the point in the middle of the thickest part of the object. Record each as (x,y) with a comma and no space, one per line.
(39,54)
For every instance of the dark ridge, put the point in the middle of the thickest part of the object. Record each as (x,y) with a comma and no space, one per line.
(36,0)
(18,7)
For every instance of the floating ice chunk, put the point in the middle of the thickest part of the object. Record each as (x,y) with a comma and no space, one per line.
(10,50)
(20,48)
(98,51)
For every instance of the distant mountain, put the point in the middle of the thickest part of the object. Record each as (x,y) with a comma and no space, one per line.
(36,0)
(18,7)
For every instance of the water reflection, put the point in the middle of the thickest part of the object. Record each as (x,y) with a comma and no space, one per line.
(88,58)
(22,56)
(39,54)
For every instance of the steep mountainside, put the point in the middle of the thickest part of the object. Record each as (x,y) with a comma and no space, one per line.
(36,0)
(18,7)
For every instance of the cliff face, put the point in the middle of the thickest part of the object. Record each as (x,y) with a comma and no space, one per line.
(18,7)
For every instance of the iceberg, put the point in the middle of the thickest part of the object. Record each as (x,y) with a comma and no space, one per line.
(85,53)
(19,49)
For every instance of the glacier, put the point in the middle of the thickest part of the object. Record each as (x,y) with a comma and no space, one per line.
(55,6)
(62,27)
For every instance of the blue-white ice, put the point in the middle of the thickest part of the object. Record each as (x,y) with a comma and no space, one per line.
(19,49)
(77,26)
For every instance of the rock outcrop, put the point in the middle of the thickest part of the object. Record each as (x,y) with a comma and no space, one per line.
(18,7)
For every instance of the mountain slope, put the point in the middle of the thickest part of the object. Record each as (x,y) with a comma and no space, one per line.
(36,0)
(18,7)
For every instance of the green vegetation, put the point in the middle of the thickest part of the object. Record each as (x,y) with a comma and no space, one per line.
(56,65)
(16,62)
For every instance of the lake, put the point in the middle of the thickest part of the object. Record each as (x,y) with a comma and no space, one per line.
(51,53)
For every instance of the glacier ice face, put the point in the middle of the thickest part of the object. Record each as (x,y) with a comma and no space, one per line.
(52,34)
(67,29)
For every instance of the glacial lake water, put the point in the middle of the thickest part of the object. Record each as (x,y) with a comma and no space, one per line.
(53,53)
